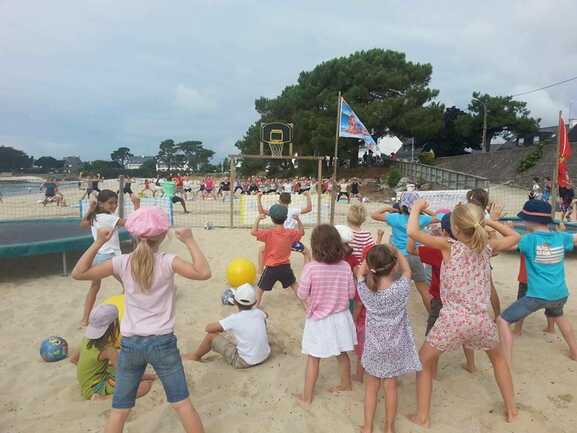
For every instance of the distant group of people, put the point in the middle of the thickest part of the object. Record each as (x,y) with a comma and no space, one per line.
(566,196)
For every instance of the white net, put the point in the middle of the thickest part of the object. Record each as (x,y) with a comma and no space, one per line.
(276,148)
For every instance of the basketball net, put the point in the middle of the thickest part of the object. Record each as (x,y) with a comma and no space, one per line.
(276,148)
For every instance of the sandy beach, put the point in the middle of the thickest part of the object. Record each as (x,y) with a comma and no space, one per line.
(38,396)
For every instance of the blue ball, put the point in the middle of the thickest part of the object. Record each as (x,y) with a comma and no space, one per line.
(54,349)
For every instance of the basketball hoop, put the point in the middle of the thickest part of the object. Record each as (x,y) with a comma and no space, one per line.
(276,148)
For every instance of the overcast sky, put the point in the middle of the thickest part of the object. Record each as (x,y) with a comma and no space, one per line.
(85,77)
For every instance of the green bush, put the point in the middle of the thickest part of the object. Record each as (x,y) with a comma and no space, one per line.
(394,177)
(427,158)
(530,160)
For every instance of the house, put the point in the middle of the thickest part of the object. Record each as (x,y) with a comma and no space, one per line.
(135,162)
(72,164)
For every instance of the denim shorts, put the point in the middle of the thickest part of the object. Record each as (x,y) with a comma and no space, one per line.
(136,353)
(101,258)
(526,305)
(417,269)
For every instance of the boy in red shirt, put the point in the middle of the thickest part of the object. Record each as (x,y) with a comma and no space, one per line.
(277,250)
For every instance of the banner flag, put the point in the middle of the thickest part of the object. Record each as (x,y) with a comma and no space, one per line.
(351,126)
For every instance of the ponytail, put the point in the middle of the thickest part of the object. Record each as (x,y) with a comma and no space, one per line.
(468,219)
(142,265)
(381,261)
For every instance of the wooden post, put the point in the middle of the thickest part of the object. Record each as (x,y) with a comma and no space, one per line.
(232,177)
(121,196)
(319,190)
(555,186)
(336,161)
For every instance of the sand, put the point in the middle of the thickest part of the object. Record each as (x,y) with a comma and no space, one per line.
(37,396)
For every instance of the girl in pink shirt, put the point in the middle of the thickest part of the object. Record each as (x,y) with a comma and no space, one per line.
(326,286)
(148,324)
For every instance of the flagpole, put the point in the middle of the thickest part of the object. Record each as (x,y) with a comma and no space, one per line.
(555,186)
(336,161)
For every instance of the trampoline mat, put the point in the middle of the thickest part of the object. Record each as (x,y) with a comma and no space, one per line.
(27,238)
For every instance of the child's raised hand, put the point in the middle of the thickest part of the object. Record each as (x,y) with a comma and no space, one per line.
(495,211)
(420,204)
(261,216)
(104,235)
(184,235)
(135,201)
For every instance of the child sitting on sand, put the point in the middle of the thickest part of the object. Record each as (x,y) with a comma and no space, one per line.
(102,215)
(390,349)
(544,253)
(248,328)
(96,359)
(326,285)
(465,293)
(147,328)
(277,250)
(290,223)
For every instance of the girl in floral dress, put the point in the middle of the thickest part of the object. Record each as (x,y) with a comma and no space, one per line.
(464,319)
(390,349)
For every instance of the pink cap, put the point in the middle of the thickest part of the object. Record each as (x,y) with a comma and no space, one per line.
(147,222)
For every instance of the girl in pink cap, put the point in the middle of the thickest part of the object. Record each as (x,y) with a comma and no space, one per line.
(148,324)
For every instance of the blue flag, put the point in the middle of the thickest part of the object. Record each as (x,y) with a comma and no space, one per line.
(352,127)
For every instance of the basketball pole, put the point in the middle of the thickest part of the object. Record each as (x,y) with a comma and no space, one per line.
(335,161)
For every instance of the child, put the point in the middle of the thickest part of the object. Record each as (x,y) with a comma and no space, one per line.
(277,249)
(102,215)
(248,327)
(544,253)
(390,349)
(398,223)
(148,324)
(362,239)
(522,292)
(434,258)
(290,223)
(326,285)
(96,360)
(465,293)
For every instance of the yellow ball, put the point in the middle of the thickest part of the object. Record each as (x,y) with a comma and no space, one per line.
(240,271)
(118,301)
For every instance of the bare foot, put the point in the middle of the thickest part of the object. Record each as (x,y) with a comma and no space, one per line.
(549,330)
(83,323)
(511,416)
(190,357)
(363,429)
(470,368)
(517,332)
(302,402)
(416,420)
(341,388)
(573,356)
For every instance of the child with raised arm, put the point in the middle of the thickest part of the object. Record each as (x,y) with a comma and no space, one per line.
(362,239)
(102,215)
(544,253)
(326,286)
(398,220)
(248,327)
(148,324)
(390,349)
(464,319)
(277,250)
(290,223)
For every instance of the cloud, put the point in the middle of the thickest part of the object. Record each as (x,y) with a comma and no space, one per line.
(194,100)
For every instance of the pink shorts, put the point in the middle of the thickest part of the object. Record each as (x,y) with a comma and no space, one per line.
(455,328)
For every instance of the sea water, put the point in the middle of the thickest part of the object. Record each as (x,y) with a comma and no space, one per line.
(15,187)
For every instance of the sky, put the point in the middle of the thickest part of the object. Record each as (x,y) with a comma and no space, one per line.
(84,78)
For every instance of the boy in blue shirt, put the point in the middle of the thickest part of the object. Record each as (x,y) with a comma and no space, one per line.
(544,253)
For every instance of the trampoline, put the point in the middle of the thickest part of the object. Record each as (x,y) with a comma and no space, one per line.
(37,237)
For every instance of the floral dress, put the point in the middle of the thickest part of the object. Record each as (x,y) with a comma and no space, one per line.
(466,296)
(389,343)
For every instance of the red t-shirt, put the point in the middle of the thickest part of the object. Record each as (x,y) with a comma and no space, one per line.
(277,244)
(522,277)
(433,257)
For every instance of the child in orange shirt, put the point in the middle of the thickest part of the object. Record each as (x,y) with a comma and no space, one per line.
(277,250)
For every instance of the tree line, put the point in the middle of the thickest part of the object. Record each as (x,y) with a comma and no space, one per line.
(391,95)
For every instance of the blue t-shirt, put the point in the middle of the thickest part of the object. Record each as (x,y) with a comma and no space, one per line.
(544,254)
(398,223)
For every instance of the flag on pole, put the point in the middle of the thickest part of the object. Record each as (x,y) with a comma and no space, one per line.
(565,152)
(351,126)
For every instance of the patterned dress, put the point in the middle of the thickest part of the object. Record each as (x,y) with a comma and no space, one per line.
(389,344)
(466,296)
